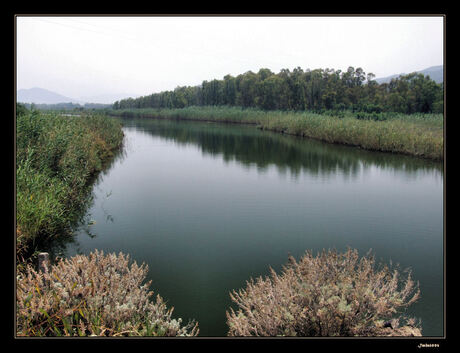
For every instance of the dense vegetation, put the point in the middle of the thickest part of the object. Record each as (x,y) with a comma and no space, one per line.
(56,159)
(299,90)
(95,295)
(416,134)
(66,106)
(331,294)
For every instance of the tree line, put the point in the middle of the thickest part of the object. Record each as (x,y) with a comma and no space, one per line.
(300,90)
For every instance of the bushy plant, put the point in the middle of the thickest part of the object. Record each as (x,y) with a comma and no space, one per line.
(377,116)
(94,295)
(369,108)
(331,294)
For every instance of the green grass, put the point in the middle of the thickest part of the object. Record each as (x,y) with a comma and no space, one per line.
(57,157)
(418,135)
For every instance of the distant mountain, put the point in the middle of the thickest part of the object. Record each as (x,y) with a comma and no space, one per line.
(436,73)
(42,96)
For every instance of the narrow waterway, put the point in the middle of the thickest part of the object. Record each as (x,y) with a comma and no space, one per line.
(207,206)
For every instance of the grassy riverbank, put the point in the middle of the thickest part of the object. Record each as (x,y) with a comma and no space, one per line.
(418,135)
(57,157)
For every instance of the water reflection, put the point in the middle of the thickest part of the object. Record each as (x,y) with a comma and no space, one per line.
(262,149)
(57,247)
(207,206)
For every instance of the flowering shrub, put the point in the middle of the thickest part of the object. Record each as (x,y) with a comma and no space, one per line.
(328,295)
(95,295)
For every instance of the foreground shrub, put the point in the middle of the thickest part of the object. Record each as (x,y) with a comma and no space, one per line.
(328,295)
(93,295)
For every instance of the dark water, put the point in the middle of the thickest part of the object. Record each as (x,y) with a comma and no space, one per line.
(207,206)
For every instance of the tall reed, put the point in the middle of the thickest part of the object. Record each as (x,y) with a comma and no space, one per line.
(418,135)
(56,159)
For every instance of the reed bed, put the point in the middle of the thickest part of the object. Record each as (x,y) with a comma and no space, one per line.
(57,157)
(419,135)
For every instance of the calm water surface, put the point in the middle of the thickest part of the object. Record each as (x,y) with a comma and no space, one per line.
(207,206)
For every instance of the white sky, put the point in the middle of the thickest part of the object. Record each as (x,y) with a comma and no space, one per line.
(84,56)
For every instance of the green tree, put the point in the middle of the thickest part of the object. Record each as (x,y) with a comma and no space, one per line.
(247,89)
(271,89)
(229,88)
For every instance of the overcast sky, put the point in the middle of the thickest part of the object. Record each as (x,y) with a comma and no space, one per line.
(86,56)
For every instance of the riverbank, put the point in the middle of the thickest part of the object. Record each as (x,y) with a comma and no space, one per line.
(419,135)
(57,158)
(100,295)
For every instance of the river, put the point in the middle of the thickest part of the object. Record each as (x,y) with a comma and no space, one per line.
(207,206)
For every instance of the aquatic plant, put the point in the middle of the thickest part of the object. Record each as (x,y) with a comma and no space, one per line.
(331,294)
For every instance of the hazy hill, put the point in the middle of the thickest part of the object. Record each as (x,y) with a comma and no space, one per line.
(435,72)
(42,96)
